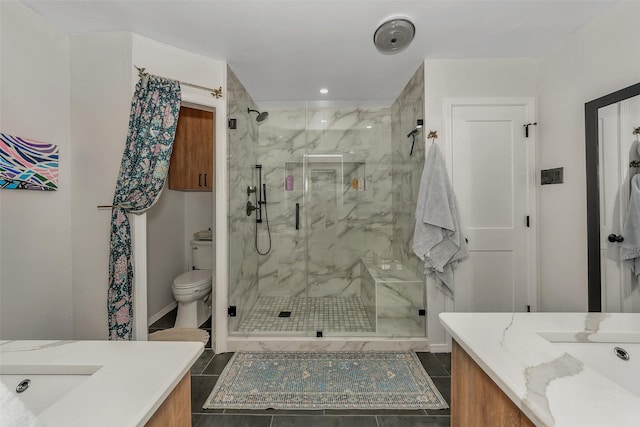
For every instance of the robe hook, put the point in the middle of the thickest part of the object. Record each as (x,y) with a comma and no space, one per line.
(432,135)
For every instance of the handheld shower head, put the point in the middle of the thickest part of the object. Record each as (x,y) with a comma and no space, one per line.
(261,116)
(413,133)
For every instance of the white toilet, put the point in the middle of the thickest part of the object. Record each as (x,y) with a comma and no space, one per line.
(192,290)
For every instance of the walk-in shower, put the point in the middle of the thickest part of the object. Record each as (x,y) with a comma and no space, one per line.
(342,191)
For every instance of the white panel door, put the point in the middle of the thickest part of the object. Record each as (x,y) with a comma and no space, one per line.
(492,168)
(617,147)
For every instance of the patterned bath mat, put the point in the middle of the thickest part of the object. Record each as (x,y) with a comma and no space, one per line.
(331,380)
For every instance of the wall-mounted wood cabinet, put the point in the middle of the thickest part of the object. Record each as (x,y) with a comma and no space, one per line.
(191,166)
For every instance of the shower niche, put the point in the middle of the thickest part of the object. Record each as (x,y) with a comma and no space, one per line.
(325,172)
(324,189)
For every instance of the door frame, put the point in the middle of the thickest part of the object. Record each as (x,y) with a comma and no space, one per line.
(201,99)
(592,155)
(531,153)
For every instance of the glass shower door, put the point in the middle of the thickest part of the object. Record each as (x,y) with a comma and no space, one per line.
(359,180)
(332,267)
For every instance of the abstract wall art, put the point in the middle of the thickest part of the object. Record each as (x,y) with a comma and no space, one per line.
(27,165)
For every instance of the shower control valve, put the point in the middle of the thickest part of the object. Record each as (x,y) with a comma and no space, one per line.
(250,208)
(250,189)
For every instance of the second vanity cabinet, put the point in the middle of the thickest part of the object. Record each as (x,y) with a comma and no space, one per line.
(476,400)
(191,166)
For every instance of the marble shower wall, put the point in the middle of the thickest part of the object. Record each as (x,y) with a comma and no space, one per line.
(243,259)
(406,169)
(347,212)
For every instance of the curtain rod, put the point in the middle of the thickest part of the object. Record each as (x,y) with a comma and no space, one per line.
(217,93)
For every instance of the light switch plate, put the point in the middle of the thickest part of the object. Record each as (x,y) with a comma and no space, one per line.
(552,176)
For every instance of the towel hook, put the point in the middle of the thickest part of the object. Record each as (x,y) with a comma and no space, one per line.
(432,135)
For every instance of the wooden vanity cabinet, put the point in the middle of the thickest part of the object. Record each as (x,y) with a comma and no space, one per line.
(476,401)
(175,411)
(191,165)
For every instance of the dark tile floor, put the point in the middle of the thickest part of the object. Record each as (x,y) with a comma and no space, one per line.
(208,367)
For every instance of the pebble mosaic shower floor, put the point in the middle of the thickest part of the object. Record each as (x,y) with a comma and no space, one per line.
(327,314)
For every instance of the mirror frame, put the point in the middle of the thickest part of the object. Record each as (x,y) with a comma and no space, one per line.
(593,191)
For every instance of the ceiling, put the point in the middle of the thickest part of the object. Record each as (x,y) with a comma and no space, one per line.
(289,49)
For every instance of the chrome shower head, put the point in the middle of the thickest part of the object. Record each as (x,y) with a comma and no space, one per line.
(261,116)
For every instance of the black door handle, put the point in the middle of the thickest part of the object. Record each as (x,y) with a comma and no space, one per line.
(199,180)
(297,216)
(205,179)
(613,238)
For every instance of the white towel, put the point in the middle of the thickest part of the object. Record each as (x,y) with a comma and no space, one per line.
(631,230)
(437,237)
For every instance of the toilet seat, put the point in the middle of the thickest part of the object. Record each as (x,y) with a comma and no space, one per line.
(192,279)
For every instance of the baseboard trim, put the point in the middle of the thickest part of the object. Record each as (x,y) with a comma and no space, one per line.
(153,319)
(326,344)
(439,348)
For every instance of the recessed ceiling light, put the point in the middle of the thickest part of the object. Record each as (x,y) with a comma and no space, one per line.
(324,91)
(323,121)
(369,126)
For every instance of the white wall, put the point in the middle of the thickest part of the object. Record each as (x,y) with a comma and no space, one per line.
(198,216)
(467,78)
(166,256)
(100,102)
(171,223)
(35,227)
(600,58)
(168,61)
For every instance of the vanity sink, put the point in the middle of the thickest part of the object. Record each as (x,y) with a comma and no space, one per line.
(547,369)
(618,362)
(38,392)
(78,383)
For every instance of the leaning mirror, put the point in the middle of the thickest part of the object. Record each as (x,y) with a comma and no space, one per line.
(612,134)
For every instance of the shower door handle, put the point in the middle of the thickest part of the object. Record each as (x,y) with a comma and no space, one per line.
(297,216)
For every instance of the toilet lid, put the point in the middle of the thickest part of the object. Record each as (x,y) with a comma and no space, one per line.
(192,278)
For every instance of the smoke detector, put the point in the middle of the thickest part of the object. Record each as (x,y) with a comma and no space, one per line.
(394,35)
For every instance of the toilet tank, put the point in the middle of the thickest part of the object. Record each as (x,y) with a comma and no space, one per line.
(202,254)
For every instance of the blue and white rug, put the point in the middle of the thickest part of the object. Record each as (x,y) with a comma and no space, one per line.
(331,380)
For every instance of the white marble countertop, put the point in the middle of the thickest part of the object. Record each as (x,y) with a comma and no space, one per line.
(130,380)
(520,353)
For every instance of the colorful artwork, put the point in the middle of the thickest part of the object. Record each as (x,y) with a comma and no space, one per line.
(28,165)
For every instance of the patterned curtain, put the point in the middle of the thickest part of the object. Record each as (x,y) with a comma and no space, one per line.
(143,171)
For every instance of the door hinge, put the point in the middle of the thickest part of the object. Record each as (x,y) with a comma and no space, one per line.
(231,311)
(527,222)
